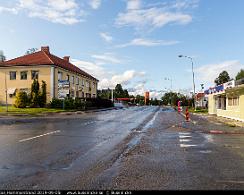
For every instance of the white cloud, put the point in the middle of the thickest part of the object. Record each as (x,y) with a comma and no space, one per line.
(107,79)
(106,37)
(208,73)
(10,10)
(91,68)
(148,43)
(95,4)
(124,79)
(57,11)
(133,4)
(154,17)
(106,58)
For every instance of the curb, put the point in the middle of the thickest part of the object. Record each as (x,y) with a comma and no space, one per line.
(225,132)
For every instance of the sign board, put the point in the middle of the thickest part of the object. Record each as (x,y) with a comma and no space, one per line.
(220,88)
(63,89)
(146,97)
(63,84)
(216,89)
(229,84)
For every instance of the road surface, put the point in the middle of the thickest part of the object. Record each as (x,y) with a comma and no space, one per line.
(139,148)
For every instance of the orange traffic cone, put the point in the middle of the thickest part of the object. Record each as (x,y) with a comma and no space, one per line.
(187,115)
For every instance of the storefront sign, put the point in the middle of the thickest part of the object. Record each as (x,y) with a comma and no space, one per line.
(229,84)
(216,89)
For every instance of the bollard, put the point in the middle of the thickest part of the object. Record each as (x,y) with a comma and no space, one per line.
(179,110)
(187,115)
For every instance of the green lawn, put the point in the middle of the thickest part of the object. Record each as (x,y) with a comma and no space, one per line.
(198,111)
(30,111)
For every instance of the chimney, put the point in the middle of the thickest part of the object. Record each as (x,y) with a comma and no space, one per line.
(66,58)
(45,49)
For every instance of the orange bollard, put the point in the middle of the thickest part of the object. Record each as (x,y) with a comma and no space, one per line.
(187,115)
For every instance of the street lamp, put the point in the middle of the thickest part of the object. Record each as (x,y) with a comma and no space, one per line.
(193,77)
(170,79)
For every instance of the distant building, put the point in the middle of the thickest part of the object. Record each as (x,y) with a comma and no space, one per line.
(63,79)
(227,100)
(201,100)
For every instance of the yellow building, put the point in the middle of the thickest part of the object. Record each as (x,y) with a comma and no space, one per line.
(62,77)
(227,102)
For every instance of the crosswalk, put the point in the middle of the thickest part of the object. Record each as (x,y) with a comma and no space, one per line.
(185,137)
(193,140)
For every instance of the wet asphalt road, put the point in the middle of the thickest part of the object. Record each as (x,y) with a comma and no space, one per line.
(139,148)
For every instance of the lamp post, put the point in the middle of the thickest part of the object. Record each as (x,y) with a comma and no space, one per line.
(193,77)
(170,79)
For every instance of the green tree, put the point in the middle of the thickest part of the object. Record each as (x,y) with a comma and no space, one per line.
(222,78)
(21,100)
(35,95)
(2,56)
(119,92)
(240,75)
(30,51)
(43,95)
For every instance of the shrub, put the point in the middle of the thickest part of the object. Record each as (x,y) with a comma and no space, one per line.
(56,103)
(21,100)
(43,95)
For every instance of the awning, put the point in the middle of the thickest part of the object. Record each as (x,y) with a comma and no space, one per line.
(11,91)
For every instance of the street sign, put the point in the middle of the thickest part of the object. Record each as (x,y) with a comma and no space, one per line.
(63,89)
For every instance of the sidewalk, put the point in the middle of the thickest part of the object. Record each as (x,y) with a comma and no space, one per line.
(218,125)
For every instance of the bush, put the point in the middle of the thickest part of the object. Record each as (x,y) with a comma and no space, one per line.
(56,103)
(80,104)
(21,100)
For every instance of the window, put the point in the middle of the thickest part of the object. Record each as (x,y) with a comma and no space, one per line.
(87,84)
(73,79)
(23,75)
(233,101)
(230,102)
(77,80)
(67,77)
(93,85)
(12,75)
(34,74)
(60,76)
(83,82)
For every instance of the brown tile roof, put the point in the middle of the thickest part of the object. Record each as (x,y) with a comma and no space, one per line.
(44,57)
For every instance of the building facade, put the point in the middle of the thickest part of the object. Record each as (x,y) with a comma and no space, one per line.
(18,74)
(227,100)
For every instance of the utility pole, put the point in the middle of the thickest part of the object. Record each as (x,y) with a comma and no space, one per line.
(170,79)
(112,95)
(6,92)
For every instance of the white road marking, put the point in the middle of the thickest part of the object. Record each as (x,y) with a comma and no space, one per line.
(183,133)
(186,145)
(184,136)
(185,140)
(31,138)
(205,151)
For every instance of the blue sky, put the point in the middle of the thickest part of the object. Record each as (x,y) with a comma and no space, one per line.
(133,42)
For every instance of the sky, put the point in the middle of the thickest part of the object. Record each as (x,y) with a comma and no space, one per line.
(132,42)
